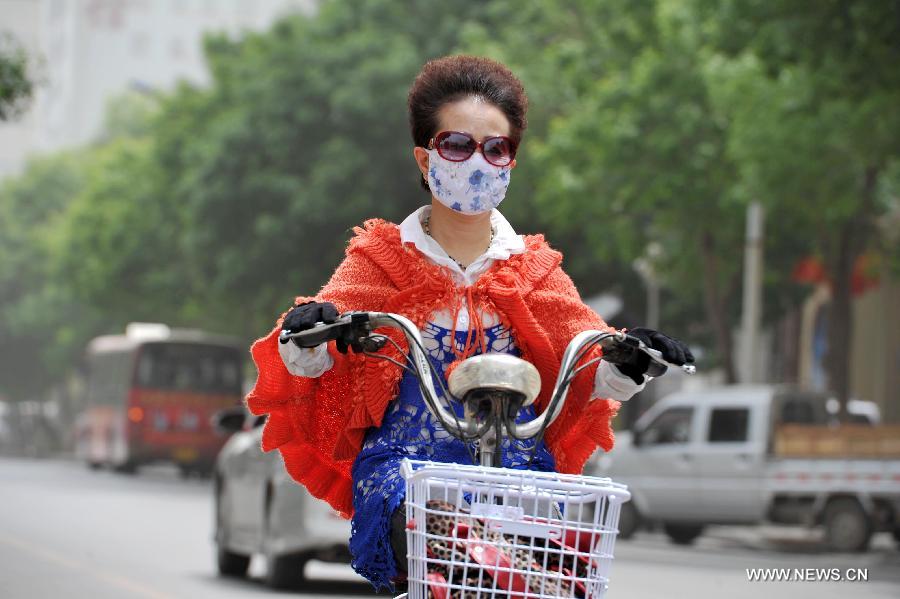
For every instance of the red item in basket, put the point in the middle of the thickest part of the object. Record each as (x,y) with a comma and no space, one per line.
(439,588)
(497,564)
(582,540)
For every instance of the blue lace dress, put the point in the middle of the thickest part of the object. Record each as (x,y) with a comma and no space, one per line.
(410,431)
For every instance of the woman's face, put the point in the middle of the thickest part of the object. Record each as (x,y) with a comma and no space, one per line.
(470,115)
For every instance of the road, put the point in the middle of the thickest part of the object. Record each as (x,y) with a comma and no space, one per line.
(69,532)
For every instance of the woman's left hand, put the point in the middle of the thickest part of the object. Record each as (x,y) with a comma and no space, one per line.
(672,350)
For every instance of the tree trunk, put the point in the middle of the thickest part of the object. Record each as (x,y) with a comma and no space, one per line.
(787,348)
(850,245)
(715,307)
(840,320)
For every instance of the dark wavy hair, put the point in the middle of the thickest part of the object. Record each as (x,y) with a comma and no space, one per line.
(451,78)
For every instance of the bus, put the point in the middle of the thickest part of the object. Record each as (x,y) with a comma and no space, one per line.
(151,394)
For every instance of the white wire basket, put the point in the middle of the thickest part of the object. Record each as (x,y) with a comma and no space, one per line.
(474,531)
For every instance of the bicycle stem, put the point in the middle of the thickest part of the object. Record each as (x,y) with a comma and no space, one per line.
(447,418)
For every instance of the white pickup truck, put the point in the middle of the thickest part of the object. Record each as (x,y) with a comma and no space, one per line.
(753,454)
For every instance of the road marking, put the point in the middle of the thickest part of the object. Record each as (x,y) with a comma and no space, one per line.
(132,586)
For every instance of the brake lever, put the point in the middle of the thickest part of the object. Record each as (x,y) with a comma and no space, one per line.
(657,358)
(350,326)
(621,348)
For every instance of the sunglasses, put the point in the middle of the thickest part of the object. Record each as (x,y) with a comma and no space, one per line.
(456,147)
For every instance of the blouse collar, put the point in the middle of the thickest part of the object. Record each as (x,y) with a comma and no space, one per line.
(505,243)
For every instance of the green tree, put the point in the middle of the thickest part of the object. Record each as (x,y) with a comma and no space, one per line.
(119,243)
(74,227)
(812,93)
(560,50)
(16,86)
(217,206)
(302,133)
(649,122)
(625,153)
(33,303)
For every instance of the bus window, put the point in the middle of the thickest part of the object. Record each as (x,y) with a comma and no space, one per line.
(189,367)
(230,373)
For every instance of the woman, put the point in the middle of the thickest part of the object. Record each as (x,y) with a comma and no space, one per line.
(458,270)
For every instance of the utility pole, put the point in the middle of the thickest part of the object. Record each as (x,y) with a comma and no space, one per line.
(752,297)
(645,268)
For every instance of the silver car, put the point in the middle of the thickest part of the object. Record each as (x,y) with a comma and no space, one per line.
(260,510)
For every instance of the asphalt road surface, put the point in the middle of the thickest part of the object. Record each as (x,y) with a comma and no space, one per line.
(69,532)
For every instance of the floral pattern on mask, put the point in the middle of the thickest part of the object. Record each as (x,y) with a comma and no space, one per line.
(472,186)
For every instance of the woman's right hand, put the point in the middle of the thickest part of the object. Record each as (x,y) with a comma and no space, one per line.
(305,316)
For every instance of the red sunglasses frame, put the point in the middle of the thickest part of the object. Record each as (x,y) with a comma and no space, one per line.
(479,146)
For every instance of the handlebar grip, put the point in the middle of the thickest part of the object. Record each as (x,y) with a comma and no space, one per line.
(319,334)
(621,350)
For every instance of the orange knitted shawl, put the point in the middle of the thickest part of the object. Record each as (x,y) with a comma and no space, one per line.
(319,424)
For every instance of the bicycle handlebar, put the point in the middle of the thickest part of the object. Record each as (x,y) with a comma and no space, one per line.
(356,325)
(368,322)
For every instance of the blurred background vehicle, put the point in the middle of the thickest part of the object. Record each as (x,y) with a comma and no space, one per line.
(30,428)
(6,430)
(260,510)
(151,394)
(751,454)
(859,411)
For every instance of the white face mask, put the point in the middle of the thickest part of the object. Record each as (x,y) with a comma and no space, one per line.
(472,186)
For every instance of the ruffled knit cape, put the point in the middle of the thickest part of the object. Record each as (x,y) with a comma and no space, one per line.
(319,424)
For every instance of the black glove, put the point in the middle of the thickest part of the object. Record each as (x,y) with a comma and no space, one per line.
(305,316)
(672,350)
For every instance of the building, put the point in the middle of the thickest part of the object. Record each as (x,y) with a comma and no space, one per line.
(89,51)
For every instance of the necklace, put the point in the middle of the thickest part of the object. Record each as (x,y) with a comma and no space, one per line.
(427,228)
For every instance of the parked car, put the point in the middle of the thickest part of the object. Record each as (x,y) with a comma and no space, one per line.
(753,454)
(260,510)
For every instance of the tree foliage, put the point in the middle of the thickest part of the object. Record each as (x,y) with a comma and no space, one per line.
(812,96)
(302,136)
(16,86)
(32,304)
(649,123)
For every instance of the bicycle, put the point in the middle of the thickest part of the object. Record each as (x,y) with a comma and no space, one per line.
(484,530)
